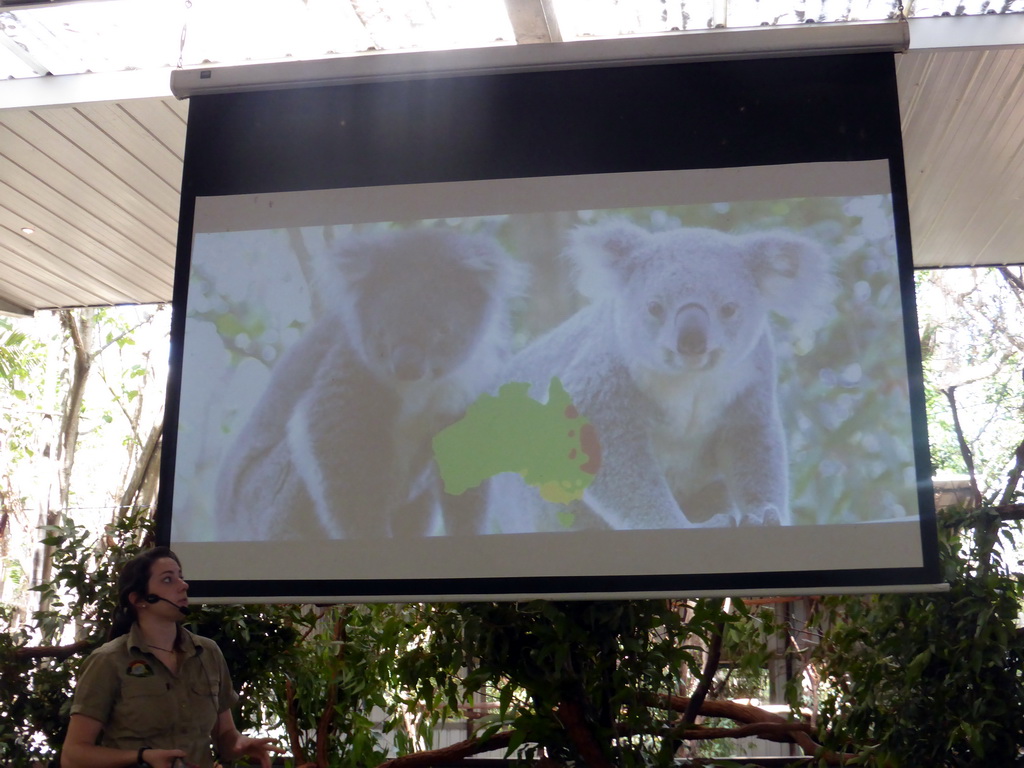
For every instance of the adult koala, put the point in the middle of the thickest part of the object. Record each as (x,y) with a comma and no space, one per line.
(339,444)
(673,363)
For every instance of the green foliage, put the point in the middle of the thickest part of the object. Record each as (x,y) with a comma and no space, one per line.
(568,676)
(929,679)
(332,677)
(318,673)
(18,355)
(571,678)
(84,575)
(971,325)
(81,597)
(255,642)
(12,351)
(913,680)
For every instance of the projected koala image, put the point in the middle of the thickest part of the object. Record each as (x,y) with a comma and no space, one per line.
(339,443)
(673,363)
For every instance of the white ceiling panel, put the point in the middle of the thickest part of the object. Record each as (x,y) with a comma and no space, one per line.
(963,135)
(99,185)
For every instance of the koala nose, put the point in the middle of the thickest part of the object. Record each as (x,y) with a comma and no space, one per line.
(692,327)
(408,363)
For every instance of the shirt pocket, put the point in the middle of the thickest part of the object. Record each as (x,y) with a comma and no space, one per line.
(204,701)
(141,712)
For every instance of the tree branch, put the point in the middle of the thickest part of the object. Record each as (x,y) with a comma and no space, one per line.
(747,714)
(1013,478)
(962,518)
(449,754)
(965,449)
(755,721)
(778,732)
(291,724)
(707,675)
(324,726)
(59,652)
(147,466)
(570,714)
(1014,281)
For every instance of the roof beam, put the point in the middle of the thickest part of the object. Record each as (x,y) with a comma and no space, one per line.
(533,21)
(23,55)
(65,90)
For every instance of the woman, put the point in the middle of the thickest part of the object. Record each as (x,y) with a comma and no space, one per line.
(155,693)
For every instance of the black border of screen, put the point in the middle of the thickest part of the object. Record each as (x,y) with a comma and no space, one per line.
(610,119)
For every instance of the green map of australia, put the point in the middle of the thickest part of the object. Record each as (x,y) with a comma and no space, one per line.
(550,444)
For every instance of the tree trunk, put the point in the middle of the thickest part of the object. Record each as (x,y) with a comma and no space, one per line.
(80,330)
(140,489)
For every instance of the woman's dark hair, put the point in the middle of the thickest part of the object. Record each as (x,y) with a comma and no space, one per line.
(134,578)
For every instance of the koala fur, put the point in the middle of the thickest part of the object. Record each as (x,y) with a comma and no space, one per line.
(673,362)
(339,444)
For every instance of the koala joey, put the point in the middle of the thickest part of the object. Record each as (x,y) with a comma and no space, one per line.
(339,444)
(673,363)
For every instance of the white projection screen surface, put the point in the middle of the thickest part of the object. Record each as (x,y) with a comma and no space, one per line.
(626,331)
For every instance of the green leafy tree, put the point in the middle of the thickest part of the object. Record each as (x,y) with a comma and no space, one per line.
(936,679)
(12,352)
(972,331)
(594,683)
(930,679)
(37,679)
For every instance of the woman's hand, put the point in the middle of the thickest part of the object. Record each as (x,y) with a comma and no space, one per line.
(232,745)
(80,749)
(162,758)
(257,749)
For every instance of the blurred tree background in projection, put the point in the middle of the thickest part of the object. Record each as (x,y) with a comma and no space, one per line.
(842,393)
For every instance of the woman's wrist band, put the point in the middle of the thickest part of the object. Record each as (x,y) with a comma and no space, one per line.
(138,757)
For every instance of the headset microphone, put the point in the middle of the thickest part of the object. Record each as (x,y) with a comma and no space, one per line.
(151,599)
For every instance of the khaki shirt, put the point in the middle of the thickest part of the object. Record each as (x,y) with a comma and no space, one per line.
(141,704)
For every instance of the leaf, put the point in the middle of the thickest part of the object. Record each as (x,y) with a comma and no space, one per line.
(515,742)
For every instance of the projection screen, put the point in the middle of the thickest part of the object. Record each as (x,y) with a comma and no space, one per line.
(623,331)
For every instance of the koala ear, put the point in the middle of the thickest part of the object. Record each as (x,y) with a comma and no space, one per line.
(794,275)
(604,256)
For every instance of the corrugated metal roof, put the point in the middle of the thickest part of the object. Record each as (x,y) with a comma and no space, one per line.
(98,181)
